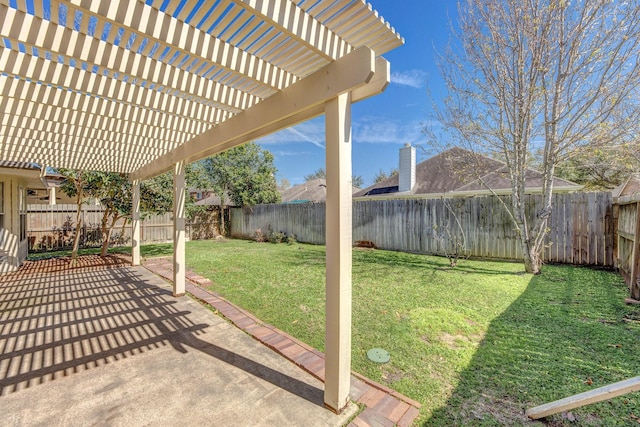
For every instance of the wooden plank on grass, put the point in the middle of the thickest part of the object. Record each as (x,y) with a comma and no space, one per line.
(592,396)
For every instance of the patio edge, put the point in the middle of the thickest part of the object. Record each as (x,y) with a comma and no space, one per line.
(384,406)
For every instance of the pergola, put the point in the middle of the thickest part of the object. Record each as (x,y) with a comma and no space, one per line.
(143,87)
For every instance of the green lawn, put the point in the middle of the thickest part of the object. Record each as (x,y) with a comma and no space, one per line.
(476,345)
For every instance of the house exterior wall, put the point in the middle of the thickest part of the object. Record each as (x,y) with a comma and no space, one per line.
(13,236)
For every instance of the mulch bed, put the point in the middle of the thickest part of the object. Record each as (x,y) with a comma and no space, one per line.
(62,264)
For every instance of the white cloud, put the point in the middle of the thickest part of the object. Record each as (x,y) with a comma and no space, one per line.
(308,137)
(412,78)
(291,153)
(378,130)
(367,130)
(311,132)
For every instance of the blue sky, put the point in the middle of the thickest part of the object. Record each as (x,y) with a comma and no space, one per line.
(382,124)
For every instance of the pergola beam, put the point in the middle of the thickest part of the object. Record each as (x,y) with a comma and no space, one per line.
(376,85)
(343,75)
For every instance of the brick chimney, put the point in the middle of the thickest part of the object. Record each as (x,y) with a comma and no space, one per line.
(407,168)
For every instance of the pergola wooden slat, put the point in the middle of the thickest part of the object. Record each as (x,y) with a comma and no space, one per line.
(143,87)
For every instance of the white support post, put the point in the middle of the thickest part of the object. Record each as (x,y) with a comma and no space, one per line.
(179,268)
(135,223)
(339,242)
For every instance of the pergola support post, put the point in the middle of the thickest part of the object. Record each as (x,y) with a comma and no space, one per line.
(179,192)
(338,252)
(135,223)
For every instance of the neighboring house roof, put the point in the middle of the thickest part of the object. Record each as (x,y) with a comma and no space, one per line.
(628,188)
(199,194)
(460,170)
(500,180)
(310,191)
(214,200)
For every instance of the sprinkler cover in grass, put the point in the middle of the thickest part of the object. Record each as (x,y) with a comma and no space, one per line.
(378,355)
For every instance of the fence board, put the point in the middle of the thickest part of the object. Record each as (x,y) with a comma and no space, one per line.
(54,227)
(579,225)
(628,236)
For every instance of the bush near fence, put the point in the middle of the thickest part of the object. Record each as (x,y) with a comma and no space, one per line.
(581,227)
(53,227)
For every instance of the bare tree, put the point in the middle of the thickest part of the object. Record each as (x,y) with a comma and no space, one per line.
(547,75)
(450,234)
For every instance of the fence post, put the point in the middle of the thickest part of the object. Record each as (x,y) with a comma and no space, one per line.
(615,213)
(635,254)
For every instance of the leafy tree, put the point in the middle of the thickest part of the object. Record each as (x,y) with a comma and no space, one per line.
(114,192)
(75,185)
(553,75)
(381,175)
(245,174)
(600,167)
(156,194)
(356,180)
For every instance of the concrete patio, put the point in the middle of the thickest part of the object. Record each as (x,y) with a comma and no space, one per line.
(106,343)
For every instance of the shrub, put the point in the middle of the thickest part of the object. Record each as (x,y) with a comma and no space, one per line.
(277,237)
(262,234)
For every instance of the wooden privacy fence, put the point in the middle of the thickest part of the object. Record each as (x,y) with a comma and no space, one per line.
(628,232)
(53,227)
(581,227)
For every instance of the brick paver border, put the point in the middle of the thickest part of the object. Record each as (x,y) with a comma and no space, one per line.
(383,406)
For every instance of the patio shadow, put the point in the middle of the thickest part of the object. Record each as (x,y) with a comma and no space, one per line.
(56,321)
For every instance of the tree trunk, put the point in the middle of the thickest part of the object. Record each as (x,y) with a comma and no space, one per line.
(106,234)
(76,238)
(105,243)
(103,231)
(221,226)
(531,257)
(532,240)
(124,225)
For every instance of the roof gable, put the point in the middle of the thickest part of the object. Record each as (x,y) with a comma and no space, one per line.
(443,173)
(628,188)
